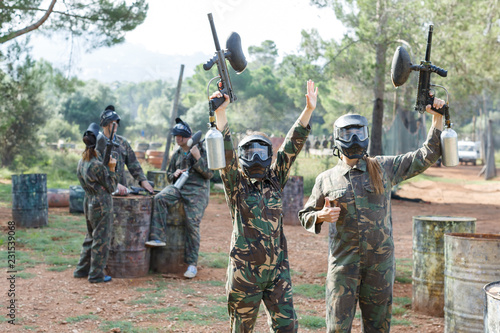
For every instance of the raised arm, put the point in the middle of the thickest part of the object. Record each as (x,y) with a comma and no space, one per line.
(311,99)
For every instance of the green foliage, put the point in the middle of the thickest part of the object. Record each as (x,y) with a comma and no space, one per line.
(204,318)
(264,55)
(315,291)
(400,305)
(82,318)
(101,23)
(86,104)
(401,322)
(5,192)
(312,322)
(310,167)
(60,129)
(58,245)
(21,113)
(124,326)
(59,165)
(214,259)
(404,269)
(149,106)
(197,117)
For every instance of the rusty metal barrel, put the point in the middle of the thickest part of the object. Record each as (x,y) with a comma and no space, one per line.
(128,256)
(293,200)
(492,308)
(58,197)
(170,259)
(428,259)
(29,200)
(471,261)
(159,178)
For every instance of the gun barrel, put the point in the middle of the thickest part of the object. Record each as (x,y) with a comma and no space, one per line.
(429,43)
(214,33)
(109,146)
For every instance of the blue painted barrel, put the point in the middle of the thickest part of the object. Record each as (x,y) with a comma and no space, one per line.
(29,200)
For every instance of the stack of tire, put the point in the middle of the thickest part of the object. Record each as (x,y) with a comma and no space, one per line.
(140,152)
(155,158)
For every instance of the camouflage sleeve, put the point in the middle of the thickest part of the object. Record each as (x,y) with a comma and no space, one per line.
(409,165)
(294,141)
(307,215)
(133,165)
(230,174)
(171,168)
(201,166)
(105,177)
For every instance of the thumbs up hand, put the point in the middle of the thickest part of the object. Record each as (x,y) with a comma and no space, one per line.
(328,213)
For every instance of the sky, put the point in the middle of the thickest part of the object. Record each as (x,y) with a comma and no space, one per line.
(178,32)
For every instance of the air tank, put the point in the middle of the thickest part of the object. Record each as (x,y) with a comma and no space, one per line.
(215,149)
(449,147)
(182,179)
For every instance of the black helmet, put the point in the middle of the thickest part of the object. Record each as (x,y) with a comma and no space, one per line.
(90,135)
(181,128)
(108,115)
(350,132)
(255,153)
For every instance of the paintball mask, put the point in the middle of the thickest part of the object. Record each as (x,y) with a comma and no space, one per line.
(108,115)
(255,154)
(351,135)
(181,128)
(90,135)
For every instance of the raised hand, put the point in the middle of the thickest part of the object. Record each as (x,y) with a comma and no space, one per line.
(311,96)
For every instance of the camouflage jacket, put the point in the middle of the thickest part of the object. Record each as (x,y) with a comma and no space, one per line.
(198,182)
(365,217)
(255,206)
(126,156)
(95,178)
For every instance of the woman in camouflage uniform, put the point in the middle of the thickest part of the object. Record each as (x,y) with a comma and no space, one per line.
(258,267)
(98,182)
(354,197)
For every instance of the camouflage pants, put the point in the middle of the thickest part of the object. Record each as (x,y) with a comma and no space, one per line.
(247,287)
(348,280)
(95,248)
(164,202)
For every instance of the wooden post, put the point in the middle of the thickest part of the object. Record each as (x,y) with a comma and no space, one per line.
(172,120)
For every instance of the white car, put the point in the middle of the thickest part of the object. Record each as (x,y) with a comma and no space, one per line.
(468,151)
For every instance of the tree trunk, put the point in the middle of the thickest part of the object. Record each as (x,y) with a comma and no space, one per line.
(379,81)
(175,105)
(378,105)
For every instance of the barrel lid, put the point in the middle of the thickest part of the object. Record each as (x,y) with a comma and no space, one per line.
(493,290)
(445,218)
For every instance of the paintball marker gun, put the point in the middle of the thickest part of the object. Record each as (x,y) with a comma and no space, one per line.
(109,146)
(195,140)
(233,53)
(400,71)
(137,190)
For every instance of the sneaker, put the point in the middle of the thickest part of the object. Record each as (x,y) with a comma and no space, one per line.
(155,243)
(106,278)
(191,272)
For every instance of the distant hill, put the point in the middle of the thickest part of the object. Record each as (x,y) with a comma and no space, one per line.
(125,62)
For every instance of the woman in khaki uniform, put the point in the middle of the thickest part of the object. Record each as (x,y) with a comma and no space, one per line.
(355,198)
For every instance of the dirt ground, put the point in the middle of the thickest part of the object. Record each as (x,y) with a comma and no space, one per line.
(46,300)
